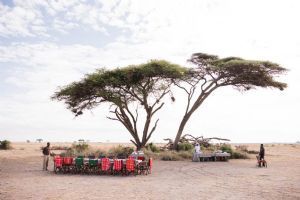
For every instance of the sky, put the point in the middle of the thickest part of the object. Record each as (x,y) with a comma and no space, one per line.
(47,44)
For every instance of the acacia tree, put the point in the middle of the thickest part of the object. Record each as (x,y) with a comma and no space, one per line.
(212,72)
(126,90)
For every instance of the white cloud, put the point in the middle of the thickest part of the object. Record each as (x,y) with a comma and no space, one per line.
(145,30)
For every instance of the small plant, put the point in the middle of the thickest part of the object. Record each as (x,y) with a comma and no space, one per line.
(226,148)
(185,146)
(5,145)
(239,155)
(253,152)
(152,147)
(120,151)
(81,147)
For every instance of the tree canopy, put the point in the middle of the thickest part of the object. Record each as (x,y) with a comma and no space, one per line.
(126,89)
(212,72)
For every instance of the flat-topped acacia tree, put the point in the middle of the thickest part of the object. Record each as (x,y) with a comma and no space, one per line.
(126,90)
(212,72)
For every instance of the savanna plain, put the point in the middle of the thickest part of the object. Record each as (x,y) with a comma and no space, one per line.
(21,177)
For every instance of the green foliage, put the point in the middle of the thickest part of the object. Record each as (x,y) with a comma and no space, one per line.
(152,147)
(120,151)
(80,148)
(113,85)
(185,146)
(5,145)
(226,148)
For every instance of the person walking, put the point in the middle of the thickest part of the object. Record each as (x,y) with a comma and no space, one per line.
(46,153)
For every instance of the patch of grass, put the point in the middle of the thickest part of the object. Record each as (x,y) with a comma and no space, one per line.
(253,152)
(170,156)
(185,154)
(5,145)
(152,147)
(239,155)
(226,148)
(185,146)
(120,151)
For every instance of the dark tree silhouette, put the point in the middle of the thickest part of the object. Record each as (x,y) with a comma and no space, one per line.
(212,72)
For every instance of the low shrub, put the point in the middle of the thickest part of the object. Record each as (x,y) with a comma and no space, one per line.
(226,148)
(239,155)
(5,145)
(185,154)
(185,146)
(170,156)
(120,151)
(80,148)
(252,152)
(152,147)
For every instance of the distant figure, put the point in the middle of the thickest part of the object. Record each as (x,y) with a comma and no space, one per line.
(46,153)
(261,154)
(197,152)
(197,148)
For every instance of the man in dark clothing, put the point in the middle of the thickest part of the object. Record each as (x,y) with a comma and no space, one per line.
(46,153)
(261,155)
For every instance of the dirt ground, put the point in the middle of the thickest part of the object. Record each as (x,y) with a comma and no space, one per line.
(21,177)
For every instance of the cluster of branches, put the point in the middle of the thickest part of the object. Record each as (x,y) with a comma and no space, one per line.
(187,138)
(145,86)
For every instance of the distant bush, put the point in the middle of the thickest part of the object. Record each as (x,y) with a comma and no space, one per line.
(185,154)
(120,151)
(226,148)
(152,147)
(239,155)
(170,156)
(185,146)
(80,148)
(252,152)
(5,145)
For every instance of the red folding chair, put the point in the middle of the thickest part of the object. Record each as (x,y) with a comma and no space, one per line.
(130,166)
(105,165)
(117,166)
(58,161)
(67,164)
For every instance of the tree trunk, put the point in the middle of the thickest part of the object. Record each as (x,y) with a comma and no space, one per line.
(180,130)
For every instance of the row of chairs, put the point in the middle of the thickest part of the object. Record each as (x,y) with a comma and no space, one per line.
(102,166)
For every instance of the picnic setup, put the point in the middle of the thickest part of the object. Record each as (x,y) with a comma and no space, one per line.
(133,165)
(215,156)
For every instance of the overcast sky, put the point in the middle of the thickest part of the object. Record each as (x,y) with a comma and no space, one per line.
(46,44)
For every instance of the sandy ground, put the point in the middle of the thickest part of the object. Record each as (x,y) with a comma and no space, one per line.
(21,177)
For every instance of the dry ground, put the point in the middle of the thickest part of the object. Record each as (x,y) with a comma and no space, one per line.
(21,177)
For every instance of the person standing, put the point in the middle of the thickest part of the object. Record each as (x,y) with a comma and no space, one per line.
(46,153)
(197,152)
(261,155)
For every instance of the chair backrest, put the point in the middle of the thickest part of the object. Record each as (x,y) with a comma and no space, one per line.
(141,158)
(58,161)
(130,166)
(117,165)
(67,160)
(93,162)
(79,161)
(105,164)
